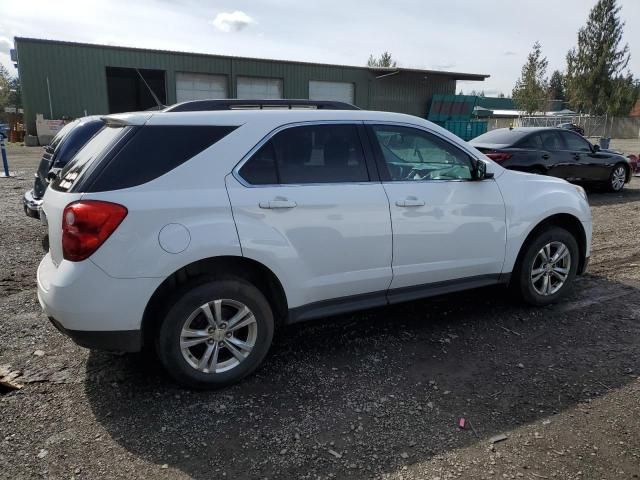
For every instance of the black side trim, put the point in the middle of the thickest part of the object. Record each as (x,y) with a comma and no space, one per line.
(440,288)
(353,303)
(115,341)
(327,308)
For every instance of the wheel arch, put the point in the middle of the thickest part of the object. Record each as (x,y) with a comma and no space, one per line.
(563,220)
(251,270)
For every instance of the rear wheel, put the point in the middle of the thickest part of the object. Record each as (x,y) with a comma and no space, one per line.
(617,178)
(216,333)
(547,267)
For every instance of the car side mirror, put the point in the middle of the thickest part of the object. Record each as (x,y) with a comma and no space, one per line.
(596,148)
(480,171)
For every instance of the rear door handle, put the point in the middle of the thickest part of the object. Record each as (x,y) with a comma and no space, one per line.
(410,202)
(545,156)
(271,204)
(576,156)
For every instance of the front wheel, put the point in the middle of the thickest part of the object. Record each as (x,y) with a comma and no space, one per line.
(547,267)
(216,333)
(617,178)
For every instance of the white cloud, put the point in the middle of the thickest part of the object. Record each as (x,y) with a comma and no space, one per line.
(232,21)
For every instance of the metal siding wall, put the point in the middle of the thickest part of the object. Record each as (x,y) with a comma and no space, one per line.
(77,74)
(408,92)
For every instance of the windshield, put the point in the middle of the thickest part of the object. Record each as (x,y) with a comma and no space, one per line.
(99,144)
(501,136)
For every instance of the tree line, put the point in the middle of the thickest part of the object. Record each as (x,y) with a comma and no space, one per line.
(596,80)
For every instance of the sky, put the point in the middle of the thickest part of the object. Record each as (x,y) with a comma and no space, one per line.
(490,36)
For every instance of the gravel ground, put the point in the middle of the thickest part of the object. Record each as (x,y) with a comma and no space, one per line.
(378,394)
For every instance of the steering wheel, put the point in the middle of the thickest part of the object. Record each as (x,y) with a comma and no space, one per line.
(420,174)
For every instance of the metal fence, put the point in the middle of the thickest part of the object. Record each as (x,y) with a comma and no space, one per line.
(594,126)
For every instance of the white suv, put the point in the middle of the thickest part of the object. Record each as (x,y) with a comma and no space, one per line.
(198,233)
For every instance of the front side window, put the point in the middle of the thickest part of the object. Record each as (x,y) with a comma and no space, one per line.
(412,154)
(309,154)
(575,142)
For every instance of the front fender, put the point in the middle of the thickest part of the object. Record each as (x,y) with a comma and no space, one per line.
(532,199)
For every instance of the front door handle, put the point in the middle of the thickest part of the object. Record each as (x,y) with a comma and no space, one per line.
(576,156)
(278,203)
(410,202)
(545,156)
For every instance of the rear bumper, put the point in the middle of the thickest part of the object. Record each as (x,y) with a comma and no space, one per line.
(117,340)
(31,205)
(94,309)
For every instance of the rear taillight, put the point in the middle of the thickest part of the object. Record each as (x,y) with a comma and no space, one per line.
(86,225)
(499,156)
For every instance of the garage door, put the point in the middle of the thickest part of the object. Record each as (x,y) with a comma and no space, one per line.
(200,86)
(339,91)
(259,88)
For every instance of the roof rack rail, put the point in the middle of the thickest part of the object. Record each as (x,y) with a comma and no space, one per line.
(238,104)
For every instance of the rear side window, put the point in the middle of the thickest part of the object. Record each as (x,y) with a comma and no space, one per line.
(309,154)
(532,141)
(151,152)
(551,140)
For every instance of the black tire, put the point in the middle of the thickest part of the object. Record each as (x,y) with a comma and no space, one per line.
(613,185)
(186,302)
(522,280)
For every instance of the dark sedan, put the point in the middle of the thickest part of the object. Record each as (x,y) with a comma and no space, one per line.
(56,155)
(557,152)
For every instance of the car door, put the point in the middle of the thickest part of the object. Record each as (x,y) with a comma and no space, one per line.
(587,164)
(560,162)
(308,206)
(446,227)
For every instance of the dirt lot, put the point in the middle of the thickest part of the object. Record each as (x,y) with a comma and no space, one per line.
(373,395)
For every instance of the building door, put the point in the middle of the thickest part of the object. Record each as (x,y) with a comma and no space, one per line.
(129,89)
(200,86)
(259,88)
(338,91)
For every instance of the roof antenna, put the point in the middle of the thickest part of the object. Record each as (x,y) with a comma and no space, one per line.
(155,98)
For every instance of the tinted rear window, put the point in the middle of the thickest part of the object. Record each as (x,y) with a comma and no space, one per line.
(502,136)
(151,152)
(79,165)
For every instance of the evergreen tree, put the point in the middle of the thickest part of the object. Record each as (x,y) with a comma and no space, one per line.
(384,60)
(596,80)
(531,90)
(556,86)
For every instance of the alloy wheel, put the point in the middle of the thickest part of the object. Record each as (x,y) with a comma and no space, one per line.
(550,268)
(218,336)
(618,176)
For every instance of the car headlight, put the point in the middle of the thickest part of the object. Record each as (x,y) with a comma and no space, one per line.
(581,192)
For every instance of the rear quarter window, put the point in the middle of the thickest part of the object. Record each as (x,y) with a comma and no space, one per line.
(150,152)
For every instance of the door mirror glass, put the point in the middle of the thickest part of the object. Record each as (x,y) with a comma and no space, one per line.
(596,148)
(480,171)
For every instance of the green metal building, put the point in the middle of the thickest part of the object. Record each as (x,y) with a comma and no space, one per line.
(64,79)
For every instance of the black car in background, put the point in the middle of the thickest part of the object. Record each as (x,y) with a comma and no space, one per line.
(557,152)
(68,141)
